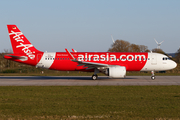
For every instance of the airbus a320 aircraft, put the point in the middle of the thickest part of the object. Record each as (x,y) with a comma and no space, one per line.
(113,64)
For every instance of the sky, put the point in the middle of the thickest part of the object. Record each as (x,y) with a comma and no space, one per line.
(87,25)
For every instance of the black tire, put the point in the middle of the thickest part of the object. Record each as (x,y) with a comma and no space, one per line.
(94,77)
(153,77)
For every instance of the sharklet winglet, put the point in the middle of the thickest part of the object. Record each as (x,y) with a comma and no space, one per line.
(71,56)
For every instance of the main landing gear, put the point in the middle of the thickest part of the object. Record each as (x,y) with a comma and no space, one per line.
(94,77)
(153,76)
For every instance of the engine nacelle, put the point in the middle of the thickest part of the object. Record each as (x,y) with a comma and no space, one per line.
(116,72)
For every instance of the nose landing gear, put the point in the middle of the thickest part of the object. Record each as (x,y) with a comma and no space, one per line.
(153,76)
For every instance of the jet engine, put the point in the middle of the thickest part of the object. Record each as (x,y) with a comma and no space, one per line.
(116,72)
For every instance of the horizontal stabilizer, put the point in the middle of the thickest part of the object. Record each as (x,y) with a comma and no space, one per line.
(22,58)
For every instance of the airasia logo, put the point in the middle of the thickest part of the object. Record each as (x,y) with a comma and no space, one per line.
(25,47)
(111,57)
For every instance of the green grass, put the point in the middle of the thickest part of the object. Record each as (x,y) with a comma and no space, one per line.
(90,102)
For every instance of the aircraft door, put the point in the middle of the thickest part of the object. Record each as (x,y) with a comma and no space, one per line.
(153,59)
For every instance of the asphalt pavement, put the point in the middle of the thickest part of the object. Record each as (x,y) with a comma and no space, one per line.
(86,81)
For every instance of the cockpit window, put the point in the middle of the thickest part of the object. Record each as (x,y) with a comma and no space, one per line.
(166,58)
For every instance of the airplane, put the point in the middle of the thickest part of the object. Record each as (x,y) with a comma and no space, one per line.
(112,64)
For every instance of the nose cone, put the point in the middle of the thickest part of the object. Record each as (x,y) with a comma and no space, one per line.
(173,64)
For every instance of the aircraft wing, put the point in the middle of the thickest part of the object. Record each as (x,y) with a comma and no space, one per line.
(89,65)
(74,50)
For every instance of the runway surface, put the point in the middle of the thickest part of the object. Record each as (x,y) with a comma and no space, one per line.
(86,81)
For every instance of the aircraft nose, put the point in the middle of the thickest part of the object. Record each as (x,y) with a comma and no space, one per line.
(173,64)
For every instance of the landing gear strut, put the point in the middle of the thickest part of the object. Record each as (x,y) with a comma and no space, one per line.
(153,76)
(94,77)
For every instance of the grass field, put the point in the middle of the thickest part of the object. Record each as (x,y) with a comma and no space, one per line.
(90,102)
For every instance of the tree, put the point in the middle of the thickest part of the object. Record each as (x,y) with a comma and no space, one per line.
(125,46)
(178,55)
(156,50)
(119,46)
(8,51)
(134,48)
(4,62)
(143,48)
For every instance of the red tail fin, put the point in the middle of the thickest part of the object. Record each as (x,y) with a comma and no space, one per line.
(20,43)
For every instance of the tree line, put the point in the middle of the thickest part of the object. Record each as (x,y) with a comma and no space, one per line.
(178,56)
(125,46)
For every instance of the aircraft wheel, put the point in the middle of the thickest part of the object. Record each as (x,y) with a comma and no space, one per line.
(94,77)
(153,77)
